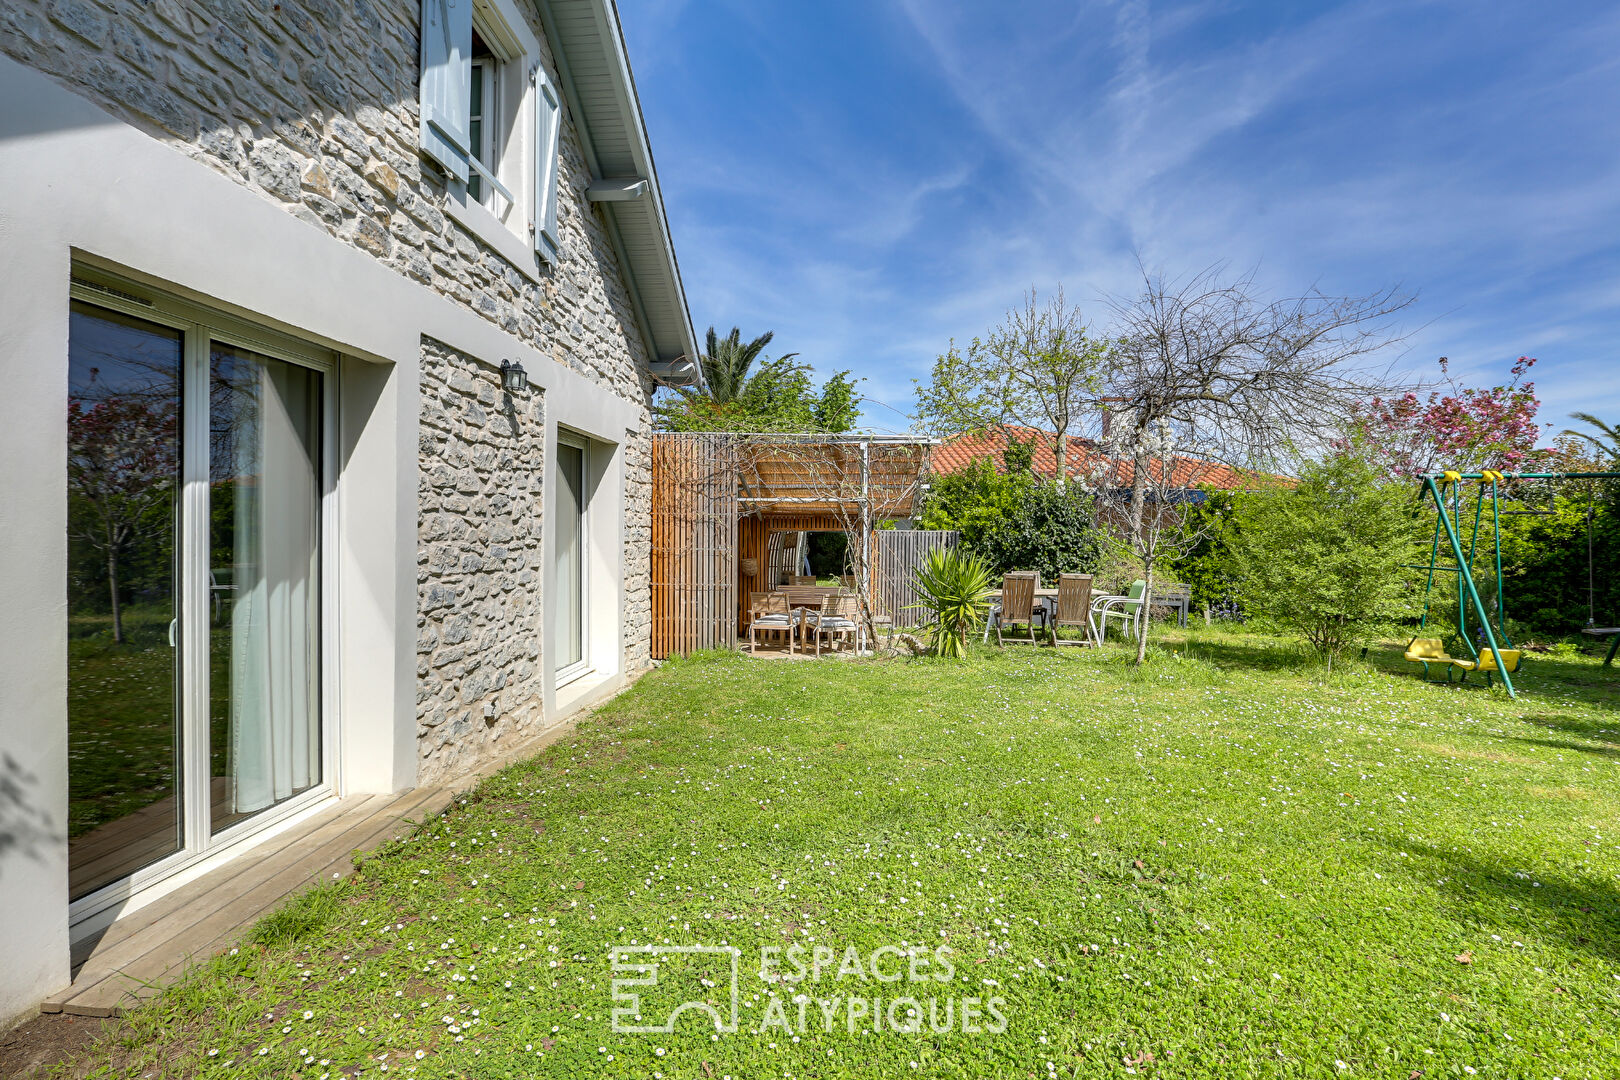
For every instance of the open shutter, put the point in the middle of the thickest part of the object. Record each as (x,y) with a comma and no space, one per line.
(547,131)
(446,83)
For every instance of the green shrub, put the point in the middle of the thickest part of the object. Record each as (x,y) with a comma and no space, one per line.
(1051,529)
(1325,559)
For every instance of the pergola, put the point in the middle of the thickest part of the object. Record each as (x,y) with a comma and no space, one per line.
(719,497)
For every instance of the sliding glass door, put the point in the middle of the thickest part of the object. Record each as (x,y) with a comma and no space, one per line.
(568,554)
(197,486)
(264,574)
(125,806)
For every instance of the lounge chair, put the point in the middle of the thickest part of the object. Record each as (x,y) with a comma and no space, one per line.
(1074,609)
(1016,606)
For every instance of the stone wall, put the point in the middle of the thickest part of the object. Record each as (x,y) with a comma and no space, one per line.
(638,550)
(478,622)
(312,104)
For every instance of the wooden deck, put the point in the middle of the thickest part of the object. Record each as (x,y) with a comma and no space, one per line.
(141,953)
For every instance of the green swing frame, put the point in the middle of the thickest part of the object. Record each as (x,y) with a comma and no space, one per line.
(1436,485)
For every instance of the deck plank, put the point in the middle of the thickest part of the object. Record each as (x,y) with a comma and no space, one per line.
(255,864)
(204,917)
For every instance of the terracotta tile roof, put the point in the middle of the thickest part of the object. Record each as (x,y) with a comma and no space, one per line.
(1082,459)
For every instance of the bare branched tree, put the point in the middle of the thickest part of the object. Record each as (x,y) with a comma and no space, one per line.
(1144,496)
(1241,378)
(1038,369)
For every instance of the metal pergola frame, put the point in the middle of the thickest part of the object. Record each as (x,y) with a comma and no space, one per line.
(1434,486)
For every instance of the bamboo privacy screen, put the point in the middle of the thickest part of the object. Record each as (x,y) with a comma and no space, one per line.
(694,544)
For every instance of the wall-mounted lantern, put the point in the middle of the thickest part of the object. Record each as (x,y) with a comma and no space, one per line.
(514,380)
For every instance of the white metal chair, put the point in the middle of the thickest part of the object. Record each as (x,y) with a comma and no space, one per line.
(1127,609)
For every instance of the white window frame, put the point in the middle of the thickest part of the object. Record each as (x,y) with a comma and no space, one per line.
(200,326)
(581,667)
(501,216)
(484,157)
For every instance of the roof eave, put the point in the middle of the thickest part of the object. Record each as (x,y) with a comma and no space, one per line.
(592,36)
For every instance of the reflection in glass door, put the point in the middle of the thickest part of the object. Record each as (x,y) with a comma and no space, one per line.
(569,555)
(264,418)
(124,774)
(196,483)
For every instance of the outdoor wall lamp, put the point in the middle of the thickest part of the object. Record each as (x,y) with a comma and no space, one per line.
(514,380)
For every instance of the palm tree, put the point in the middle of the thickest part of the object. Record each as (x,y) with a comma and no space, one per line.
(1611,448)
(726,362)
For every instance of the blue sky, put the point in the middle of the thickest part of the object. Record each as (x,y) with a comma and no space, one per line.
(870,178)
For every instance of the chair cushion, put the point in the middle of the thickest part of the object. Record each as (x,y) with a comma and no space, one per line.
(832,622)
(773,620)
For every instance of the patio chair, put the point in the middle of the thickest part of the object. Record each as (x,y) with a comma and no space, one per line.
(840,616)
(1016,606)
(1074,609)
(801,579)
(1127,609)
(768,613)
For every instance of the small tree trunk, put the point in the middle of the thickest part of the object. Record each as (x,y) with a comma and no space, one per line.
(1060,454)
(112,588)
(1147,615)
(1139,487)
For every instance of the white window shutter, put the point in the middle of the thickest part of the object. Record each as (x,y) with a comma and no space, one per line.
(446,83)
(547,133)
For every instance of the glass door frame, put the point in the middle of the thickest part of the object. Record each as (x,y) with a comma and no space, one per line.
(582,666)
(201,327)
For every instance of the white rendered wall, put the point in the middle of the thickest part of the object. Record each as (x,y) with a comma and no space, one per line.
(77,183)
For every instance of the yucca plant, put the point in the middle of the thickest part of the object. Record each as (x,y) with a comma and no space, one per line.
(955,588)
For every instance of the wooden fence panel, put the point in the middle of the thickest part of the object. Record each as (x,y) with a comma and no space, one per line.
(901,551)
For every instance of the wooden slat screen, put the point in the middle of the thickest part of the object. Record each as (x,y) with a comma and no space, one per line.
(694,544)
(901,551)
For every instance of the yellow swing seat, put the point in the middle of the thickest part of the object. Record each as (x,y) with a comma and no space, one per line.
(1428,651)
(1488,662)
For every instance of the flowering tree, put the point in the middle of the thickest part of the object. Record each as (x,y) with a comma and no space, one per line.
(1462,428)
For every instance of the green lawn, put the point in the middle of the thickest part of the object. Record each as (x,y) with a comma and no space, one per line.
(1227,864)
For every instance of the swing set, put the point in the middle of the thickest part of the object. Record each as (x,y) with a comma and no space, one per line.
(1496,656)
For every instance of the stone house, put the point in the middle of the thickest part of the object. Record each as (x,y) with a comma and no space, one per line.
(329,330)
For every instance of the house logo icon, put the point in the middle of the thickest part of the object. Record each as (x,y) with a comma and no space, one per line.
(640,964)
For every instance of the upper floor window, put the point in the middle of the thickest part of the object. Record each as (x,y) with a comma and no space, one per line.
(483,123)
(491,118)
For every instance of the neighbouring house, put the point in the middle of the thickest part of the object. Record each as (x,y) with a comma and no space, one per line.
(1084,462)
(329,331)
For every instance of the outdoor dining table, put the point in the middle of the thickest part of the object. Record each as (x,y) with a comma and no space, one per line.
(1046,598)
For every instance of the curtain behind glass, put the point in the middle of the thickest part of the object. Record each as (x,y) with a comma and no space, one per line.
(265,470)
